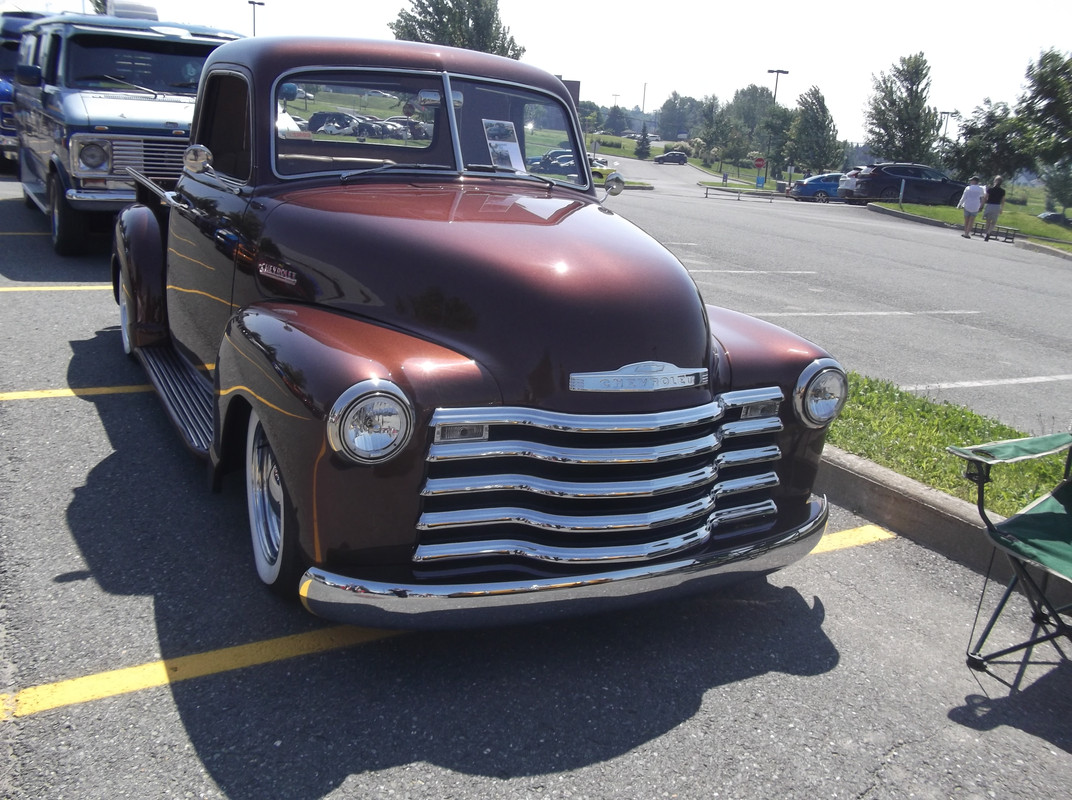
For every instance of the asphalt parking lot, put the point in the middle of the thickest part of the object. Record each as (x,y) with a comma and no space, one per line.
(139,657)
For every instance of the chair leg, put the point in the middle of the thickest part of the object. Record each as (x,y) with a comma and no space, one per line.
(1043,614)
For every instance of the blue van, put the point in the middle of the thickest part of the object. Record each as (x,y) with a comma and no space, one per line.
(95,95)
(11,25)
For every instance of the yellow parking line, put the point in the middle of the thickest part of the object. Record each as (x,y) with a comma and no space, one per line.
(855,537)
(89,391)
(80,288)
(113,683)
(174,670)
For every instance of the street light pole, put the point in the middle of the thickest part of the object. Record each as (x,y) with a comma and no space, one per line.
(255,3)
(776,72)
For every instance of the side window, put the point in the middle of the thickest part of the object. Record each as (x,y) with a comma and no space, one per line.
(224,126)
(49,58)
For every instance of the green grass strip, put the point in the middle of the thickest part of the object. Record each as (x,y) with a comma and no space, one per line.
(909,434)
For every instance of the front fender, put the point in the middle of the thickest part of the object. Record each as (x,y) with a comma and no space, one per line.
(291,363)
(138,254)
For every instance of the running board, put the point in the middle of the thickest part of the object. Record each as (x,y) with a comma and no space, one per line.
(186,393)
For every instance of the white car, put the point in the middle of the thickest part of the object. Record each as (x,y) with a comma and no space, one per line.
(847,184)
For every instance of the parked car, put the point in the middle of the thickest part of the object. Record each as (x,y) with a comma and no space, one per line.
(672,157)
(847,183)
(922,184)
(11,25)
(1055,217)
(819,188)
(458,393)
(94,96)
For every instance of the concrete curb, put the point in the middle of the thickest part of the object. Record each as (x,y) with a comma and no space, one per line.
(936,520)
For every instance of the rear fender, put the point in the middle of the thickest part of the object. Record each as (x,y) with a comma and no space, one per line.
(138,254)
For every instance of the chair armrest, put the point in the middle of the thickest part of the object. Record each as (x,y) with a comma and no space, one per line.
(1010,450)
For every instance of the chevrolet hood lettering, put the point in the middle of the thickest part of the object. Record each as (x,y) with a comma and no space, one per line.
(645,376)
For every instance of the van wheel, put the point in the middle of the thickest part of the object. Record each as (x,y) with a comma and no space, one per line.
(68,224)
(272,522)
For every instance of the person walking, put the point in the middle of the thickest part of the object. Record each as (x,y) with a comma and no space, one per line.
(994,204)
(971,201)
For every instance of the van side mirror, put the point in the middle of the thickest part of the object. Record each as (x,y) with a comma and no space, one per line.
(28,74)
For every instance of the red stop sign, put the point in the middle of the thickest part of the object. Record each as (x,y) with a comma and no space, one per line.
(760,162)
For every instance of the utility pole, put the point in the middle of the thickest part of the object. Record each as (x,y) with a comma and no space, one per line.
(776,72)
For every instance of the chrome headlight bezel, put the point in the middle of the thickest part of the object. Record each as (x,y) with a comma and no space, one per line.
(371,422)
(91,157)
(820,393)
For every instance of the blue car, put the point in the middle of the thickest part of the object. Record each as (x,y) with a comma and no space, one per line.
(819,188)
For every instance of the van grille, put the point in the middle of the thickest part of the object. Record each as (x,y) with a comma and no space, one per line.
(157,158)
(516,488)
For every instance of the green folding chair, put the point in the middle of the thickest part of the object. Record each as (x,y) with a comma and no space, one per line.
(1039,536)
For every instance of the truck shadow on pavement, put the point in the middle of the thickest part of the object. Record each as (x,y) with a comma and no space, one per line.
(501,703)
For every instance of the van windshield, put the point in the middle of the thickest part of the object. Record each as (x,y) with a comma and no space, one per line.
(128,62)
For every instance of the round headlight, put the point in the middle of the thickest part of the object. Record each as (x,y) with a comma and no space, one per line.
(370,422)
(93,156)
(821,393)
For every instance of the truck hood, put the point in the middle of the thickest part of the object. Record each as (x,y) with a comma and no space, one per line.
(535,285)
(130,110)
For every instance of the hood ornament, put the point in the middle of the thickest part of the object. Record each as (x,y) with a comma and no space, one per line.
(644,376)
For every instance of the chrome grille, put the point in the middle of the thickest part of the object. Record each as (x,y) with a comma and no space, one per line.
(157,158)
(528,486)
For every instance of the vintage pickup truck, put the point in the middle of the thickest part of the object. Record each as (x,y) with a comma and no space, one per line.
(461,391)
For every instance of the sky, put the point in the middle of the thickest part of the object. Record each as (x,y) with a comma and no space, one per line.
(700,48)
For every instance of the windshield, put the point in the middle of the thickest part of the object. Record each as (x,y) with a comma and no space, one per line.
(356,121)
(127,62)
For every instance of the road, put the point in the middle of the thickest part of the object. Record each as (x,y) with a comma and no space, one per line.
(139,656)
(983,325)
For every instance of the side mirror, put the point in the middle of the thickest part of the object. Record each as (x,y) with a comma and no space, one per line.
(197,159)
(28,74)
(289,91)
(615,185)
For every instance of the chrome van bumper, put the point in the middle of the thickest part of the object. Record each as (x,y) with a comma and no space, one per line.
(430,606)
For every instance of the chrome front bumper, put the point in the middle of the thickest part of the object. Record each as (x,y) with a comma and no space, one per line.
(432,606)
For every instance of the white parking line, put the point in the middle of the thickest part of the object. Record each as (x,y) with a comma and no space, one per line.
(756,271)
(922,387)
(939,312)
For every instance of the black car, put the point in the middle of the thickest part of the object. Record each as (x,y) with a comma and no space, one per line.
(672,157)
(922,184)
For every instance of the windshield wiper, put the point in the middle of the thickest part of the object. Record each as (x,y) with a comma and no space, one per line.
(514,173)
(388,166)
(114,79)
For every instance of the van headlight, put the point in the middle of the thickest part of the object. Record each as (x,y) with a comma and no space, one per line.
(370,422)
(91,155)
(820,393)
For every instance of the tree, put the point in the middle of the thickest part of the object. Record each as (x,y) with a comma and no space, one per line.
(1058,182)
(813,137)
(992,141)
(777,128)
(643,147)
(750,107)
(615,122)
(591,116)
(1047,105)
(899,124)
(472,24)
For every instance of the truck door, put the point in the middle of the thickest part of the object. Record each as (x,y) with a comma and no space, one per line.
(210,225)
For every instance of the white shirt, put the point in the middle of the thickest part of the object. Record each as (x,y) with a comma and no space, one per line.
(972,199)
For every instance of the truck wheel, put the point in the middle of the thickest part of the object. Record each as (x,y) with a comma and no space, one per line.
(68,224)
(272,522)
(126,314)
